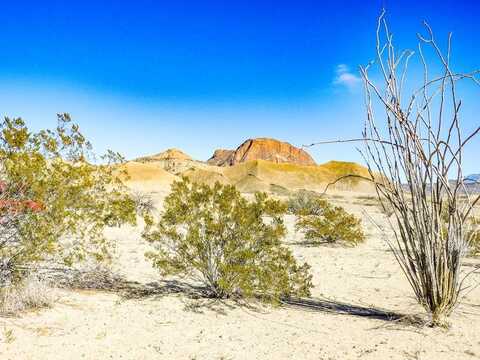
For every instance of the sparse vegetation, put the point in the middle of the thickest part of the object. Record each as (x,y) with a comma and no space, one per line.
(29,293)
(474,240)
(331,224)
(322,222)
(473,236)
(88,276)
(144,203)
(54,202)
(229,244)
(304,202)
(8,336)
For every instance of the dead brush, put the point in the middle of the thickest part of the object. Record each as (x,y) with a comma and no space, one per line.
(29,294)
(473,236)
(144,202)
(90,276)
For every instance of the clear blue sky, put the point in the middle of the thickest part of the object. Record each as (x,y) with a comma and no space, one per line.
(142,76)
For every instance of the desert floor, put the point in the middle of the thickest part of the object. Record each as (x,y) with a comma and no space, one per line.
(361,309)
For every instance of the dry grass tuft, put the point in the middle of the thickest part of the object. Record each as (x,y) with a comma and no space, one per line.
(30,294)
(89,277)
(473,236)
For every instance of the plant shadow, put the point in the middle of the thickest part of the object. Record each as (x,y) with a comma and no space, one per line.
(341,308)
(136,290)
(199,299)
(314,244)
(196,298)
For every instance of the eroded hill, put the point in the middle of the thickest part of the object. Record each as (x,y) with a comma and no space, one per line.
(289,170)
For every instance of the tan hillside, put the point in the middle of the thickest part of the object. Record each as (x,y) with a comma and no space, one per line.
(172,160)
(208,175)
(151,175)
(168,154)
(263,175)
(290,170)
(262,149)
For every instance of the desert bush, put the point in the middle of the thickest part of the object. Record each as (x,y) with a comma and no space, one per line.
(229,244)
(55,202)
(325,223)
(304,202)
(29,293)
(474,242)
(144,203)
(89,275)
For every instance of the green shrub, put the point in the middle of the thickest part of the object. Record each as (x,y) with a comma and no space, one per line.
(54,202)
(329,224)
(304,203)
(231,245)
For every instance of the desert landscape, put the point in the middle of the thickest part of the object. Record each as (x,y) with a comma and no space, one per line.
(361,304)
(239,180)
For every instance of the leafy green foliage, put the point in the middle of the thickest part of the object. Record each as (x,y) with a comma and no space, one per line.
(55,203)
(321,222)
(226,242)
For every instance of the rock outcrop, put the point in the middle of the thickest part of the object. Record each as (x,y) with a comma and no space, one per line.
(262,149)
(221,157)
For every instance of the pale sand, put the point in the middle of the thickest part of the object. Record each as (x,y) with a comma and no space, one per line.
(102,325)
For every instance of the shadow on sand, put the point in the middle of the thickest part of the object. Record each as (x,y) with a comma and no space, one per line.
(135,290)
(339,308)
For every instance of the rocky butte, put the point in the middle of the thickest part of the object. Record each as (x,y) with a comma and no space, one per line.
(262,149)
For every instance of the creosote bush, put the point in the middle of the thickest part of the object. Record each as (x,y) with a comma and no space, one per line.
(229,244)
(54,201)
(322,222)
(304,202)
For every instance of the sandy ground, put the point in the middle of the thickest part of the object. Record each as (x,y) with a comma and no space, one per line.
(167,323)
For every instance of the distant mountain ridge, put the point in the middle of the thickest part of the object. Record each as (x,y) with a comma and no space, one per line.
(472,183)
(256,165)
(473,178)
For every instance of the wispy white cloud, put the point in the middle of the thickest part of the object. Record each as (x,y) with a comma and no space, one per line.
(344,77)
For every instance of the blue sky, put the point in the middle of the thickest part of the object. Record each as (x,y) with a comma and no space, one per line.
(142,76)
